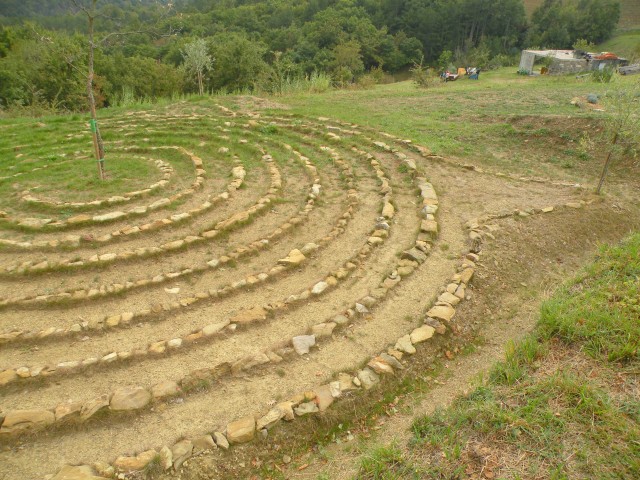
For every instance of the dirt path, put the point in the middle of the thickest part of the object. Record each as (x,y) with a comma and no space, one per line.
(530,253)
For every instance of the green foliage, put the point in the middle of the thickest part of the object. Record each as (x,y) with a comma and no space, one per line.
(601,309)
(274,46)
(197,61)
(386,463)
(602,76)
(423,76)
(561,23)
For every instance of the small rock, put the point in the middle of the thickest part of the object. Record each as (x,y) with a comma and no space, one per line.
(82,472)
(404,345)
(241,431)
(19,420)
(295,257)
(442,312)
(303,343)
(164,389)
(181,451)
(7,376)
(306,408)
(203,443)
(324,397)
(422,334)
(323,329)
(361,309)
(133,464)
(166,458)
(130,398)
(379,365)
(319,287)
(368,378)
(221,440)
(252,315)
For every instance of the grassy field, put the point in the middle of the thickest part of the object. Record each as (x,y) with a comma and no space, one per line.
(521,124)
(562,405)
(625,44)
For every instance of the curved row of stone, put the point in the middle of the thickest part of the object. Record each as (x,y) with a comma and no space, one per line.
(85,219)
(165,167)
(124,232)
(243,318)
(109,321)
(82,294)
(112,321)
(437,318)
(205,234)
(305,403)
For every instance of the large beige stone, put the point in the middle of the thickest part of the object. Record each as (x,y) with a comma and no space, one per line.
(422,334)
(134,464)
(388,211)
(164,389)
(130,398)
(83,472)
(449,298)
(7,376)
(442,312)
(68,411)
(255,314)
(18,420)
(108,216)
(324,397)
(91,407)
(295,257)
(181,451)
(241,431)
(466,275)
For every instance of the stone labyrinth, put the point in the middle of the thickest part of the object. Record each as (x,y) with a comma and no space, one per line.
(269,265)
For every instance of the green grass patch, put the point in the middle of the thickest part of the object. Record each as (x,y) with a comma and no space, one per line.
(554,408)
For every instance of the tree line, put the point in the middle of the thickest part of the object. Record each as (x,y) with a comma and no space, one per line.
(251,44)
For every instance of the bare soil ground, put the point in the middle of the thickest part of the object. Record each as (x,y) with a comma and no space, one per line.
(528,257)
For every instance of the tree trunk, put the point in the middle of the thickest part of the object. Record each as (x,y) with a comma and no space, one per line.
(95,131)
(603,175)
(200,84)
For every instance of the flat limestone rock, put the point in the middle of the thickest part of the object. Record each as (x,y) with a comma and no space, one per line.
(295,257)
(181,451)
(134,464)
(108,216)
(415,255)
(324,397)
(130,398)
(442,312)
(241,431)
(164,389)
(404,344)
(18,420)
(34,222)
(83,472)
(422,334)
(449,298)
(251,315)
(303,343)
(203,443)
(306,408)
(368,378)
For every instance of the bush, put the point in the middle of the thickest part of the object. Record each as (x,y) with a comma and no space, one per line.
(602,76)
(423,76)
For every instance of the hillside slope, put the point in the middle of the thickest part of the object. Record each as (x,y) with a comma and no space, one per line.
(629,17)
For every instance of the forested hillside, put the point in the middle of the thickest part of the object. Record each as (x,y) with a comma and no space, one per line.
(266,45)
